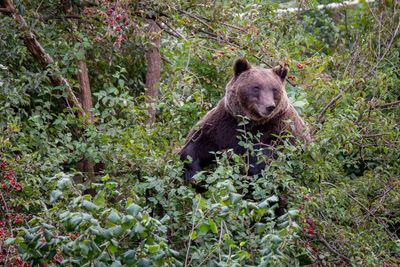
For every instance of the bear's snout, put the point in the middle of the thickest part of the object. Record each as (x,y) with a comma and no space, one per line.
(265,109)
(270,108)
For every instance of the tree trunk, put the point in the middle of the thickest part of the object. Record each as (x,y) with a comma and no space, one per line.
(153,58)
(85,93)
(85,96)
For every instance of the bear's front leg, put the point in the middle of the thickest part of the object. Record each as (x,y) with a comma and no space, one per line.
(254,161)
(191,168)
(200,155)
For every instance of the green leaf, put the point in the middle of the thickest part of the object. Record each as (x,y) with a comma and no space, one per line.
(204,228)
(114,217)
(235,198)
(75,221)
(48,235)
(213,226)
(55,194)
(202,203)
(84,248)
(260,227)
(293,212)
(276,239)
(99,199)
(105,178)
(64,183)
(273,199)
(89,205)
(193,235)
(112,249)
(48,226)
(129,256)
(116,264)
(10,241)
(153,249)
(133,209)
(144,263)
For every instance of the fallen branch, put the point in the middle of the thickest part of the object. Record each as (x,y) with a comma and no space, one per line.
(38,52)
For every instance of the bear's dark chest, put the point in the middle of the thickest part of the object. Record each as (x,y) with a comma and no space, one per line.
(230,132)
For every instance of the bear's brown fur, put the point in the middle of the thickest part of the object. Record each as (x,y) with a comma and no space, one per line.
(256,93)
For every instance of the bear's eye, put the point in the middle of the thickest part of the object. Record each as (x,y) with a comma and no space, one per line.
(256,89)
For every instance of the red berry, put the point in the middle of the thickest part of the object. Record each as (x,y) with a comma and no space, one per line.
(18,187)
(117,29)
(311,231)
(299,66)
(18,220)
(110,11)
(3,165)
(118,18)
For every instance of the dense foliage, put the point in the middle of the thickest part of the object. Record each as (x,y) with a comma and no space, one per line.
(343,189)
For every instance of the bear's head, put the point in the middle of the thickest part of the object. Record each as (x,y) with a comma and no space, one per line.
(257,93)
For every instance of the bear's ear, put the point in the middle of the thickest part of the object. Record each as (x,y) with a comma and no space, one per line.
(281,70)
(240,66)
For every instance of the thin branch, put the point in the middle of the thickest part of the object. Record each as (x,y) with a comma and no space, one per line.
(196,18)
(331,103)
(55,17)
(394,104)
(379,220)
(270,66)
(210,20)
(190,235)
(323,241)
(175,32)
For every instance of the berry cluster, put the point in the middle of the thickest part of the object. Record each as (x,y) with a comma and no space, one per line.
(310,228)
(309,224)
(117,20)
(9,218)
(10,181)
(73,236)
(57,259)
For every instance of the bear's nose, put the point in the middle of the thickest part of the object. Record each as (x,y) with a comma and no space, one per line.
(270,108)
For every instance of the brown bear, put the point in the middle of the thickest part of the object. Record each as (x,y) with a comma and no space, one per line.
(254,92)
